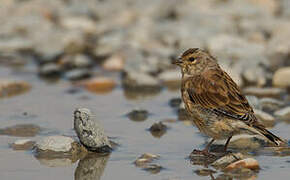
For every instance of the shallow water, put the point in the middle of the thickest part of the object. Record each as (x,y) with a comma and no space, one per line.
(50,106)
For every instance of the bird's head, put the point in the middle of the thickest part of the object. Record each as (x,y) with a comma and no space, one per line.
(194,61)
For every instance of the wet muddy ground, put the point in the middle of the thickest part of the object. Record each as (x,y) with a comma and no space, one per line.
(50,106)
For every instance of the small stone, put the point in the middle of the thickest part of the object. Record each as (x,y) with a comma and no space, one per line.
(158,129)
(249,142)
(152,168)
(264,92)
(270,104)
(267,119)
(280,77)
(90,133)
(175,102)
(171,78)
(79,23)
(55,144)
(11,88)
(114,63)
(248,163)
(23,144)
(21,130)
(226,160)
(204,172)
(283,113)
(50,70)
(254,102)
(78,74)
(99,85)
(138,115)
(75,61)
(255,75)
(139,81)
(145,158)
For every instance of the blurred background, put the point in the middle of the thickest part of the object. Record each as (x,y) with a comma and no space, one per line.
(114,57)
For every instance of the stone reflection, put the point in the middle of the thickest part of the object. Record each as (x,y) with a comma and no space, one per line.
(91,167)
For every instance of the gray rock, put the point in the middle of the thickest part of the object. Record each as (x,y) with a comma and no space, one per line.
(270,104)
(158,129)
(248,142)
(175,102)
(264,92)
(254,102)
(171,78)
(77,74)
(283,113)
(140,82)
(57,144)
(50,70)
(23,144)
(90,132)
(76,61)
(227,159)
(265,118)
(138,115)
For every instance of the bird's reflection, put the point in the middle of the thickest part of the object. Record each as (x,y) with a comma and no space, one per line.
(91,167)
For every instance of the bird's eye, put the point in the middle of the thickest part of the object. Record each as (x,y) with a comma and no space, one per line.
(191,59)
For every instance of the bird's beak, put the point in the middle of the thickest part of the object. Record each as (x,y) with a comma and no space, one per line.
(177,61)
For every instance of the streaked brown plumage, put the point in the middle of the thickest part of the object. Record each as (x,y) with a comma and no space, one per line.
(214,101)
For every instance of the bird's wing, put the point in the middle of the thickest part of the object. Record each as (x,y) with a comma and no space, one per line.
(215,90)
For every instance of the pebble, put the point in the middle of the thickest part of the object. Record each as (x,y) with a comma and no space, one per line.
(50,70)
(114,63)
(145,162)
(204,172)
(77,74)
(153,168)
(249,163)
(283,113)
(248,142)
(138,115)
(56,144)
(145,158)
(280,77)
(224,161)
(21,130)
(264,92)
(99,85)
(175,102)
(11,87)
(254,102)
(90,133)
(171,78)
(75,62)
(267,119)
(139,81)
(158,129)
(270,104)
(23,144)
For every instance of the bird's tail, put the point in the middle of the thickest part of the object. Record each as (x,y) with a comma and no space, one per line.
(273,138)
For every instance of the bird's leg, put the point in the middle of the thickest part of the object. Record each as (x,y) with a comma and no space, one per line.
(227,143)
(205,151)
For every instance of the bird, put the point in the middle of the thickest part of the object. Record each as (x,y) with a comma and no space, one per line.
(214,102)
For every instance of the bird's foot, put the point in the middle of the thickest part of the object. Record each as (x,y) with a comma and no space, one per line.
(204,152)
